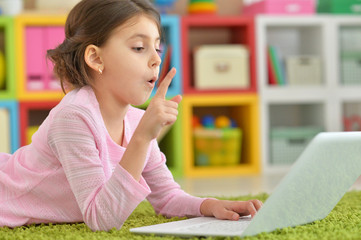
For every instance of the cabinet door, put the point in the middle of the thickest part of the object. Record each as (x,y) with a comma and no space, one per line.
(35,58)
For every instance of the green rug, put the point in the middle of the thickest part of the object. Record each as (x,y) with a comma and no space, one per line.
(344,222)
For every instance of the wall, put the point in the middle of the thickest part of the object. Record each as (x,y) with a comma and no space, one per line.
(225,7)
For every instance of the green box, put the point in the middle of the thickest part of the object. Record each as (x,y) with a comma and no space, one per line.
(287,143)
(339,6)
(351,68)
(217,147)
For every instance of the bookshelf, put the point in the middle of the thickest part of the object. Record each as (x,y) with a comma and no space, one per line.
(298,106)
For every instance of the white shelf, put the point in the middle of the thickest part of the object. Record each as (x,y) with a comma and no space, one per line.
(323,105)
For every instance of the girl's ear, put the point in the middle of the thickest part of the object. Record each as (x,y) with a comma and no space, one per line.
(93,59)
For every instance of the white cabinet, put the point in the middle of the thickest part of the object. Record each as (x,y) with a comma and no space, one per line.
(295,107)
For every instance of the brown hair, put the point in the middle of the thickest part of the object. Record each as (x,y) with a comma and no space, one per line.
(92,22)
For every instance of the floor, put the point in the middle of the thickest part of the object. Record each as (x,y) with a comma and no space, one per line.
(237,186)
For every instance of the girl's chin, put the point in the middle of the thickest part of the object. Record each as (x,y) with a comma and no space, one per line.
(139,102)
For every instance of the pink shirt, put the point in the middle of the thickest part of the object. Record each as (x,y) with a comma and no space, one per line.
(70,172)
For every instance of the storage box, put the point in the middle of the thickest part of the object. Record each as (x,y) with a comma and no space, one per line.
(217,147)
(351,68)
(280,7)
(221,67)
(287,143)
(303,70)
(339,6)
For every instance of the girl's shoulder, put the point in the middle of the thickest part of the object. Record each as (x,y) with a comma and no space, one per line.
(79,101)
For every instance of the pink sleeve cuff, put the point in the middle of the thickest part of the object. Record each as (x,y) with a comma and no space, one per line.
(139,190)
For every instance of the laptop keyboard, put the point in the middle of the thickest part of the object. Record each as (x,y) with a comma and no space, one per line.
(222,226)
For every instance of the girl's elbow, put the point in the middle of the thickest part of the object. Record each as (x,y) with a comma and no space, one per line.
(101,222)
(97,226)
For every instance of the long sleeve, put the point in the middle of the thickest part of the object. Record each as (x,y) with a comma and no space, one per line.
(105,198)
(167,197)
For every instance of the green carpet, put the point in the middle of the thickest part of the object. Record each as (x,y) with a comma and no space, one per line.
(344,222)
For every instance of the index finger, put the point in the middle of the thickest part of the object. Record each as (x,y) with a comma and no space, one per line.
(164,83)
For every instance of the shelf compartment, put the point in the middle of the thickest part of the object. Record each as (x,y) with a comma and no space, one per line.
(32,115)
(290,38)
(351,115)
(7,68)
(42,83)
(291,127)
(244,110)
(215,30)
(350,54)
(9,121)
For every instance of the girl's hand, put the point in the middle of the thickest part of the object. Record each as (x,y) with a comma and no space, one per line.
(230,210)
(160,112)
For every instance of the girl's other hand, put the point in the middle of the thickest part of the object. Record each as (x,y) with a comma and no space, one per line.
(230,210)
(160,112)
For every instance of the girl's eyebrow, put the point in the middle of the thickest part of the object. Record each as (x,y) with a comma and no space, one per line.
(140,35)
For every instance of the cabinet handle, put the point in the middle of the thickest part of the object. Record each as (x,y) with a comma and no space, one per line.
(222,67)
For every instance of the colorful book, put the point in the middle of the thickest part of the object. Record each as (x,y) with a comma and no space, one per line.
(165,62)
(272,78)
(276,65)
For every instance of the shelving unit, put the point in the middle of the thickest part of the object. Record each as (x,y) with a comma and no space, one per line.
(318,105)
(9,139)
(240,103)
(242,108)
(347,92)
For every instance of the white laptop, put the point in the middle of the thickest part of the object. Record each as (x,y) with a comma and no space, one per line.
(323,173)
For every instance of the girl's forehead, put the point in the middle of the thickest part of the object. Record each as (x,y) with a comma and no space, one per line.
(138,23)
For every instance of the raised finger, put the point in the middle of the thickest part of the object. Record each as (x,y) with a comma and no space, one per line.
(164,83)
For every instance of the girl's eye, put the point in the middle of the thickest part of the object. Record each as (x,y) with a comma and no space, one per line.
(159,51)
(138,49)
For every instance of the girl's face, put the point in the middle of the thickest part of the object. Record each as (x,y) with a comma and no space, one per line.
(131,61)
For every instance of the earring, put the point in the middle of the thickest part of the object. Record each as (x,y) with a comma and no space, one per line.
(100,71)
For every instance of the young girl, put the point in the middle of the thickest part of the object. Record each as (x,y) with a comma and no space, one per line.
(95,158)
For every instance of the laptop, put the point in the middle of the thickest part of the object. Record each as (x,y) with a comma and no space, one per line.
(323,173)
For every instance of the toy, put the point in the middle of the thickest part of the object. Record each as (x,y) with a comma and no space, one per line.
(223,122)
(202,7)
(208,121)
(196,122)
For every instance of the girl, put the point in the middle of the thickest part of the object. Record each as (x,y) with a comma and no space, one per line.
(95,158)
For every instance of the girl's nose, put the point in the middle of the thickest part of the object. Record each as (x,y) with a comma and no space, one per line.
(155,60)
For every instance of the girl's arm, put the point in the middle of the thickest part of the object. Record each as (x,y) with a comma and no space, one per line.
(167,198)
(105,198)
(159,113)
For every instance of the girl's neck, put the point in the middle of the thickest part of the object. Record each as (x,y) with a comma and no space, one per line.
(113,114)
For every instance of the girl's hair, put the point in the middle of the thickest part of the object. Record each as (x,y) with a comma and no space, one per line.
(92,22)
